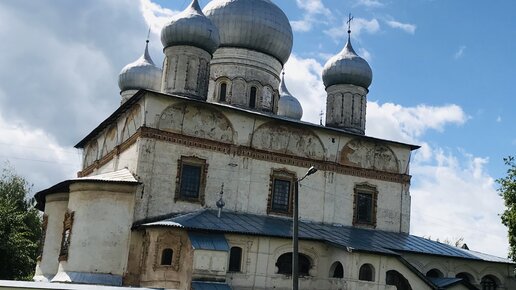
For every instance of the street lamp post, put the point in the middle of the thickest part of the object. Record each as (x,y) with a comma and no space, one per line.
(295,230)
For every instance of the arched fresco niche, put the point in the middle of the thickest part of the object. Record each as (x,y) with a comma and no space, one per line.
(132,123)
(369,155)
(200,122)
(90,154)
(287,139)
(110,140)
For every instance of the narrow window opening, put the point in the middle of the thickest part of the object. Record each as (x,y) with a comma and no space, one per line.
(235,259)
(252,98)
(364,207)
(223,92)
(166,257)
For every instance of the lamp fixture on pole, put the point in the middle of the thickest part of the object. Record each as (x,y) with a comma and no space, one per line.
(295,230)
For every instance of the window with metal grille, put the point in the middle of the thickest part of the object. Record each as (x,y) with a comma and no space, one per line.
(191,179)
(235,259)
(281,195)
(365,205)
(281,192)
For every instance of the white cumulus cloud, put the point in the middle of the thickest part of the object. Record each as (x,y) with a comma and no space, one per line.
(410,123)
(303,80)
(155,16)
(369,3)
(312,12)
(407,27)
(454,197)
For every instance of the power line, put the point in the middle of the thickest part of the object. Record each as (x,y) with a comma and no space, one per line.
(38,160)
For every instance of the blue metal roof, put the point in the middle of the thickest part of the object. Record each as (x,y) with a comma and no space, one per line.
(199,285)
(347,237)
(445,283)
(215,242)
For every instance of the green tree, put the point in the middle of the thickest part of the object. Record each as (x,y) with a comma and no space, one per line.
(20,227)
(507,190)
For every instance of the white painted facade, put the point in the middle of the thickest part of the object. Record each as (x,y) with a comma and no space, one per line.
(241,144)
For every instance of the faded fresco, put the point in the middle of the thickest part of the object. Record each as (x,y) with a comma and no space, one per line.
(201,122)
(132,123)
(369,155)
(287,139)
(110,140)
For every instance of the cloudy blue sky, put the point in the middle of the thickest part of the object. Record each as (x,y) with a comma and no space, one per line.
(443,79)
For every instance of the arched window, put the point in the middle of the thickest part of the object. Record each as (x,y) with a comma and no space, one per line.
(465,276)
(336,270)
(366,273)
(223,92)
(166,257)
(434,273)
(488,283)
(252,98)
(235,259)
(397,279)
(284,264)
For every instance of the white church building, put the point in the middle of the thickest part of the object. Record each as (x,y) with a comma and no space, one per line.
(189,183)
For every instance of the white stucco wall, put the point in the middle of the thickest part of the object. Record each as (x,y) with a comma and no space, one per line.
(55,208)
(450,267)
(101,229)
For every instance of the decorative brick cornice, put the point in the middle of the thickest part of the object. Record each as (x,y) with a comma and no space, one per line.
(246,151)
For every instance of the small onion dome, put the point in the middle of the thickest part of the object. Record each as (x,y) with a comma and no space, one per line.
(288,105)
(191,27)
(253,24)
(347,68)
(141,74)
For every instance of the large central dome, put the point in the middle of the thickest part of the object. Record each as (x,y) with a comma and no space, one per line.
(253,24)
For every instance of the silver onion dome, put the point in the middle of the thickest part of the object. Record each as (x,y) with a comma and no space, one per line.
(347,68)
(253,24)
(191,27)
(288,105)
(141,74)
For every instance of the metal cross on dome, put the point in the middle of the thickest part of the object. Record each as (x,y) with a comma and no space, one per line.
(350,18)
